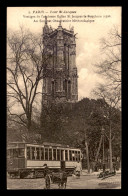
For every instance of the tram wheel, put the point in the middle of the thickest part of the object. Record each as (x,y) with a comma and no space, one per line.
(21,176)
(12,175)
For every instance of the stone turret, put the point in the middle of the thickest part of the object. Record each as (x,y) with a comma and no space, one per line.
(45,28)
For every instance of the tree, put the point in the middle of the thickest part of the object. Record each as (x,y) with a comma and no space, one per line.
(25,62)
(109,67)
(109,112)
(52,122)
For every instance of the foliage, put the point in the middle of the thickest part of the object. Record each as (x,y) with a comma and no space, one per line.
(66,124)
(69,123)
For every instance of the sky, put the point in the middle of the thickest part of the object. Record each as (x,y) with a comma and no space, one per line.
(90,24)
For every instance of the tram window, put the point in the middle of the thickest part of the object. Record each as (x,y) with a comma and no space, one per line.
(15,152)
(58,155)
(46,153)
(76,155)
(73,155)
(8,153)
(66,155)
(33,153)
(54,154)
(50,154)
(37,154)
(21,152)
(42,153)
(11,152)
(28,153)
(70,155)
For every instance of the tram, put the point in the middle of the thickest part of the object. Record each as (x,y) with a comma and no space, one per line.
(27,160)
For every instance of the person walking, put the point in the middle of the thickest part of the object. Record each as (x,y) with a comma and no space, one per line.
(114,167)
(46,176)
(78,169)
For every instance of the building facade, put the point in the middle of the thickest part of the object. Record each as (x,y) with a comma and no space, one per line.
(60,79)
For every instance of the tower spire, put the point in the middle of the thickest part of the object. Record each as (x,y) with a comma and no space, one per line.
(45,19)
(60,23)
(45,28)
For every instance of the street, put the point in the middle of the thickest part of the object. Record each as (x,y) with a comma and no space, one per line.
(84,182)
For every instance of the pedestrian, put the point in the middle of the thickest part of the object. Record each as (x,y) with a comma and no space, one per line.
(103,167)
(46,176)
(46,170)
(114,167)
(78,168)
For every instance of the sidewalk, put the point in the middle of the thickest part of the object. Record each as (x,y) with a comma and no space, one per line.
(85,172)
(109,183)
(112,181)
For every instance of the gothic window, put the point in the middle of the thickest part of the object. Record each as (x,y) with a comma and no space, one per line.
(74,86)
(49,85)
(64,85)
(58,84)
(52,88)
(69,89)
(65,57)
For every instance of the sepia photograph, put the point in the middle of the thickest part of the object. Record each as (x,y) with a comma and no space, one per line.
(63,68)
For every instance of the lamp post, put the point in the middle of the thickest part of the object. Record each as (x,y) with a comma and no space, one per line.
(110,146)
(102,132)
(87,152)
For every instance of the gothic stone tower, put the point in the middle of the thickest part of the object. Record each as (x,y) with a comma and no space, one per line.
(60,72)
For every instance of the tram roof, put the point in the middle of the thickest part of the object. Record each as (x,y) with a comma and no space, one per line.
(44,143)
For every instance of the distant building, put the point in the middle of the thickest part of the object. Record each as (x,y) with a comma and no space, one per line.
(60,72)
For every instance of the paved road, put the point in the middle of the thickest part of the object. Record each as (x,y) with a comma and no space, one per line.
(85,182)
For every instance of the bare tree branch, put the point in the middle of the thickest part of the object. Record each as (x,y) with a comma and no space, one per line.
(26,61)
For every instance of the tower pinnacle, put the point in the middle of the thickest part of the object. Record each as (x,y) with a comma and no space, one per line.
(45,28)
(45,19)
(60,23)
